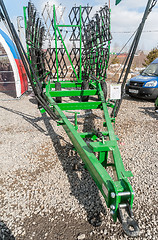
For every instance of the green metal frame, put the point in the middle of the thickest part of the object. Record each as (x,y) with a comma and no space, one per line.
(56,29)
(115,190)
(25,22)
(115,187)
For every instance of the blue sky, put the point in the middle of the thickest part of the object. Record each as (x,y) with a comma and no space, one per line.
(14,7)
(125,17)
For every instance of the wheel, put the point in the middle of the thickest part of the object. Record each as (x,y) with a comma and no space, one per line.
(104,88)
(58,88)
(84,86)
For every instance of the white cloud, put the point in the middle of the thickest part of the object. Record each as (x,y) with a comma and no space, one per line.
(124,20)
(127,16)
(130,4)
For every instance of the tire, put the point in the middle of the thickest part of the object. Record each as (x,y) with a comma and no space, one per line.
(84,86)
(104,88)
(58,88)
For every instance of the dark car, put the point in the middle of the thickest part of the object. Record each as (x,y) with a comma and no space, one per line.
(144,85)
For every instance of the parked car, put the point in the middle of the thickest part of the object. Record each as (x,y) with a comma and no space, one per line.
(144,85)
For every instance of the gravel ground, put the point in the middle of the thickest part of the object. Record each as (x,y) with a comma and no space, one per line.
(42,197)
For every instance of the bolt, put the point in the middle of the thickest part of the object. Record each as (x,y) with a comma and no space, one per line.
(112,207)
(113,195)
(112,212)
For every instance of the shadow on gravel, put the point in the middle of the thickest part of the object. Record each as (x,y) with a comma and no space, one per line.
(93,116)
(54,228)
(33,100)
(78,99)
(82,185)
(29,118)
(5,232)
(149,111)
(136,99)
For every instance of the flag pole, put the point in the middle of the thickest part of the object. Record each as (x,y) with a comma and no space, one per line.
(109,4)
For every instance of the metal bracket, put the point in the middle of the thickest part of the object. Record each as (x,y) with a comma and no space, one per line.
(126,217)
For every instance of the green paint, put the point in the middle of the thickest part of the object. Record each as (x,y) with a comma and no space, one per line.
(80,79)
(80,105)
(104,143)
(117,2)
(96,167)
(25,23)
(67,53)
(67,84)
(73,93)
(56,46)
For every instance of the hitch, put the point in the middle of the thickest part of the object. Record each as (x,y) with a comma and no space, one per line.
(126,217)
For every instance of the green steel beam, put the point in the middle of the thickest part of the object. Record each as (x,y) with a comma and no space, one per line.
(56,28)
(96,167)
(56,45)
(105,142)
(25,23)
(102,147)
(67,84)
(67,53)
(69,93)
(109,42)
(80,105)
(80,79)
(120,170)
(91,134)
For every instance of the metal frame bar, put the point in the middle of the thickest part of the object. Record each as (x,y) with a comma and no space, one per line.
(56,46)
(67,53)
(25,22)
(56,28)
(105,183)
(80,79)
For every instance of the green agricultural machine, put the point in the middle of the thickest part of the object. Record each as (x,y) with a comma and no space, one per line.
(69,76)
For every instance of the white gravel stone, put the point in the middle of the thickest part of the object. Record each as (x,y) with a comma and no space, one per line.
(82,236)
